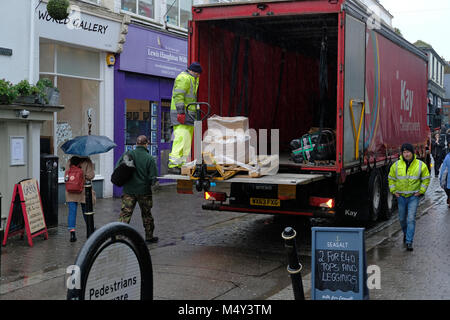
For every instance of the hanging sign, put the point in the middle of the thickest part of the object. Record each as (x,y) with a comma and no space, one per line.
(26,213)
(338,264)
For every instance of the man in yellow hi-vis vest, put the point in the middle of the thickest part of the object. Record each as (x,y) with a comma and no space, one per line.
(408,180)
(184,92)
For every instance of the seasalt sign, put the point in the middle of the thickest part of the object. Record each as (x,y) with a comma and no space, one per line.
(338,264)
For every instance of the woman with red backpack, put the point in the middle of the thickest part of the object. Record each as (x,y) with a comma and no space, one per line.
(78,170)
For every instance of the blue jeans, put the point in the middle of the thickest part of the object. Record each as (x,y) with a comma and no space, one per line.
(407,208)
(72,219)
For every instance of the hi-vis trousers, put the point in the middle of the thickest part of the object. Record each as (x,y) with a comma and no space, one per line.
(181,147)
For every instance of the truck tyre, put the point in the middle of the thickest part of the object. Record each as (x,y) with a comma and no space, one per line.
(388,201)
(375,187)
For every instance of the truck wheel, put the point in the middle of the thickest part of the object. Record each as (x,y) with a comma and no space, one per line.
(388,199)
(375,187)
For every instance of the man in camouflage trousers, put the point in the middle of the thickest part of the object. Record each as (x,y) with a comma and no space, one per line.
(138,188)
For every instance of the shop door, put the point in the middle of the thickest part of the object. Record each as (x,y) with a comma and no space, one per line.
(152,119)
(165,135)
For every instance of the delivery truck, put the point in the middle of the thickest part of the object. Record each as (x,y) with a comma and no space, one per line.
(299,65)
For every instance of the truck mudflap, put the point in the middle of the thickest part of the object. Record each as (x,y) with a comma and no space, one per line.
(313,213)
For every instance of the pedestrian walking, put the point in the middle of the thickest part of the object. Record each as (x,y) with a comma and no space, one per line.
(438,151)
(444,179)
(138,189)
(408,180)
(184,92)
(78,170)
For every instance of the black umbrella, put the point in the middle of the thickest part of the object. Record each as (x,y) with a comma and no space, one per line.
(88,145)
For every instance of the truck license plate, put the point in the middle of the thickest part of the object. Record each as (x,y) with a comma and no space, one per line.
(265,202)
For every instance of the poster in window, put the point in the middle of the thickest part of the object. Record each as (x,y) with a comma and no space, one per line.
(154,123)
(17,151)
(153,138)
(154,109)
(154,148)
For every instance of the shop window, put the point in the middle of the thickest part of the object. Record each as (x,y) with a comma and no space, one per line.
(166,129)
(77,62)
(47,57)
(137,120)
(144,8)
(80,99)
(76,73)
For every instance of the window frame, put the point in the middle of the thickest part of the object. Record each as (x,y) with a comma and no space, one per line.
(179,27)
(98,2)
(155,20)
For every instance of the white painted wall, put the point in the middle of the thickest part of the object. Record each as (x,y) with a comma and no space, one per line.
(15,24)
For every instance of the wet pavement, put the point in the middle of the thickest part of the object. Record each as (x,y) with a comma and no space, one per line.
(424,273)
(211,255)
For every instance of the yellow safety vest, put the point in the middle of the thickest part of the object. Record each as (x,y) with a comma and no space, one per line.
(407,183)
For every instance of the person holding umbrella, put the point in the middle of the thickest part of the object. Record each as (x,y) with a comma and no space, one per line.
(80,169)
(73,197)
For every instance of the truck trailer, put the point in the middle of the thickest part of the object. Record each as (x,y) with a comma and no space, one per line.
(297,65)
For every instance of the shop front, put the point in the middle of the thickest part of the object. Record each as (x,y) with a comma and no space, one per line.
(73,55)
(143,81)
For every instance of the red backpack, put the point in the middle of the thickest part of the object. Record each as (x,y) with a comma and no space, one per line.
(74,179)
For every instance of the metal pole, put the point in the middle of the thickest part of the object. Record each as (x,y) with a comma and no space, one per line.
(294,268)
(89,214)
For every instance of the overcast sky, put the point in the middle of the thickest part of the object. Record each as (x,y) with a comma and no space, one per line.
(427,20)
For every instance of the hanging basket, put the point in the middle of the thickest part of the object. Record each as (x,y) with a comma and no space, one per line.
(58,9)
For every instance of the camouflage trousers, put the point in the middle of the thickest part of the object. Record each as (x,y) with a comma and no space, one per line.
(145,204)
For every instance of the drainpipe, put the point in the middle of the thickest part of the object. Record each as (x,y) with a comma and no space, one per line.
(32,30)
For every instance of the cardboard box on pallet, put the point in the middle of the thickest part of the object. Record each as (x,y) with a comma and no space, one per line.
(227,126)
(228,150)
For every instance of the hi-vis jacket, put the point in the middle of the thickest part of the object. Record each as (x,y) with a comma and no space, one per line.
(184,92)
(407,183)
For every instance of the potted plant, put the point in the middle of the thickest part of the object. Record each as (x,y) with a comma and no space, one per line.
(50,94)
(58,9)
(7,92)
(40,95)
(24,92)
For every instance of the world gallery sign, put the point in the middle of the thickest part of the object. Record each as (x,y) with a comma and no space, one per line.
(81,28)
(114,264)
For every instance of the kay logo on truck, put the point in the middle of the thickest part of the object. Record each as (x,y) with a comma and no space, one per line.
(407,98)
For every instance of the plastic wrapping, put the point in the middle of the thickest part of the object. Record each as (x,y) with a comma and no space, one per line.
(228,140)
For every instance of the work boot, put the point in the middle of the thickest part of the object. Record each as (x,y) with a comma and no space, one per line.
(409,247)
(151,240)
(175,170)
(73,237)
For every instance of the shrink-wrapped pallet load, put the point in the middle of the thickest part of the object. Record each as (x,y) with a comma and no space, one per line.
(228,140)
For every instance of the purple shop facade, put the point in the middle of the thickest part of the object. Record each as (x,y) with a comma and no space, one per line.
(145,71)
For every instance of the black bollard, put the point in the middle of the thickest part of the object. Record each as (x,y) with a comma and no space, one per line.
(294,268)
(89,214)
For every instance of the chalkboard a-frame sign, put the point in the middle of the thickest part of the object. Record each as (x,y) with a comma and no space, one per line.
(338,264)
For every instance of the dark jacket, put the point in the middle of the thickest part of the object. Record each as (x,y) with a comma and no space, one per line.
(144,176)
(438,148)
